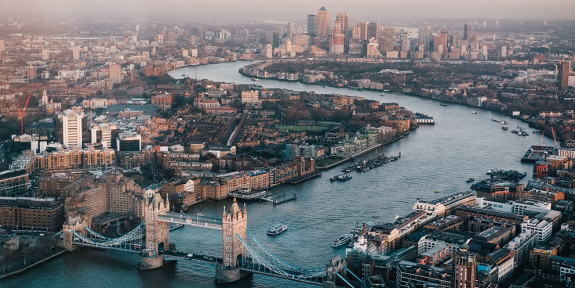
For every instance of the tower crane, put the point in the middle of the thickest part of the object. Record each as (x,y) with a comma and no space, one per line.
(554,138)
(21,115)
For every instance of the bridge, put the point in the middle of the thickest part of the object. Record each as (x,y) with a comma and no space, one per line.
(243,253)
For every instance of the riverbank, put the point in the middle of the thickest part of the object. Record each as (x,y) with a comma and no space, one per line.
(20,270)
(359,153)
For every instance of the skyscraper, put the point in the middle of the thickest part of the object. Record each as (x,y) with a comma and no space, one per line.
(31,72)
(425,36)
(360,31)
(344,19)
(563,69)
(115,73)
(337,39)
(463,268)
(372,31)
(405,41)
(311,22)
(70,123)
(388,38)
(289,33)
(322,23)
(466,32)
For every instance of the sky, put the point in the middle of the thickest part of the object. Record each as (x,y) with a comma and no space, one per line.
(549,10)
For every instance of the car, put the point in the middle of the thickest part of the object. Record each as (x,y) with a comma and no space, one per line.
(190,255)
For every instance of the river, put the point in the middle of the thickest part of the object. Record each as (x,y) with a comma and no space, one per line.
(441,157)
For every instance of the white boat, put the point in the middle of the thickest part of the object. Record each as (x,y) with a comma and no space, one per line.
(342,240)
(255,79)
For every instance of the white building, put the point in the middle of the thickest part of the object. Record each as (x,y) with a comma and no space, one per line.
(506,268)
(71,124)
(519,206)
(441,205)
(521,245)
(541,228)
(250,96)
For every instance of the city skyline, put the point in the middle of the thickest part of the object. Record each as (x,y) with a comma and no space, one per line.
(448,9)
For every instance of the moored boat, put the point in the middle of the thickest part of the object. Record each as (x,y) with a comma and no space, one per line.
(504,127)
(342,240)
(470,180)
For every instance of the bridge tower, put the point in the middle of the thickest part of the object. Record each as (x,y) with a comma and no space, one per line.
(77,224)
(157,233)
(233,223)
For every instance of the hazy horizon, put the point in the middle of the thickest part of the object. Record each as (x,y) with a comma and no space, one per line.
(551,10)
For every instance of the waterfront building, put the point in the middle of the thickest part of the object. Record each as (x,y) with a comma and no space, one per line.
(445,205)
(354,144)
(28,213)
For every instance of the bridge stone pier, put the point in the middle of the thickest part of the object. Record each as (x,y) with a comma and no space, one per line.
(157,233)
(76,224)
(234,223)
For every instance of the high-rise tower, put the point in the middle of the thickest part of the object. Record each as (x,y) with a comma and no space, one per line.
(463,268)
(563,69)
(466,32)
(322,23)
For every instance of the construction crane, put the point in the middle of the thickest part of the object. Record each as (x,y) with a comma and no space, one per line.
(554,138)
(21,115)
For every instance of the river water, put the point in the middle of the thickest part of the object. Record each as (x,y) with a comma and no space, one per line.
(441,157)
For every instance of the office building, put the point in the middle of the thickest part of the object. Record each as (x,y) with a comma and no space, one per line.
(75,53)
(425,36)
(250,96)
(322,24)
(268,51)
(388,38)
(372,31)
(343,18)
(289,30)
(27,213)
(70,126)
(466,32)
(115,73)
(31,72)
(405,41)
(311,23)
(563,70)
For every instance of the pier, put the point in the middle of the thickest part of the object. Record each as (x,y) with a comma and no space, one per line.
(536,153)
(277,200)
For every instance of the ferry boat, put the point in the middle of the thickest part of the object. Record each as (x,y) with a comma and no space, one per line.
(470,180)
(385,90)
(504,127)
(342,240)
(277,230)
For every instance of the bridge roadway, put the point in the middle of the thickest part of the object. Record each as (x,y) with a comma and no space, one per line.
(198,221)
(248,265)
